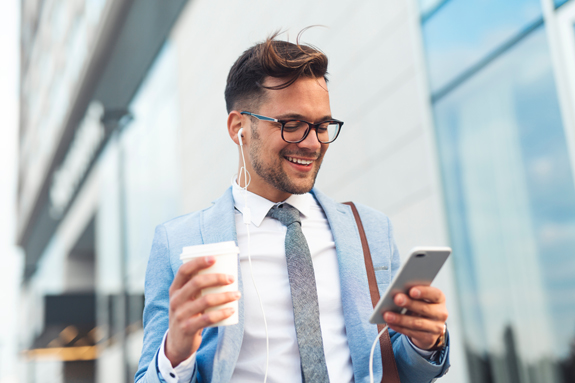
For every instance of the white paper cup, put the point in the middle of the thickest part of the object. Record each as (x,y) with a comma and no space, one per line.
(226,256)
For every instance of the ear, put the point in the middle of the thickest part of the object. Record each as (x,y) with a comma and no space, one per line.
(235,120)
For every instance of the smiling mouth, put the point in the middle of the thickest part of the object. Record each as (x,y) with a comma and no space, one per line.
(299,161)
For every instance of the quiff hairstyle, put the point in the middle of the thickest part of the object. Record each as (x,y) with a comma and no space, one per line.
(271,58)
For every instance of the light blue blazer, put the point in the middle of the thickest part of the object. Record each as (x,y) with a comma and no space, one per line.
(220,346)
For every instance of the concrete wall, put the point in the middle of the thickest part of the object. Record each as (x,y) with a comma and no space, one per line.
(385,155)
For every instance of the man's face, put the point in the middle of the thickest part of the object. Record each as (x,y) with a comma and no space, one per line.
(274,161)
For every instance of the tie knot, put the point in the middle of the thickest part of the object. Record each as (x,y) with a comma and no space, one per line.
(285,213)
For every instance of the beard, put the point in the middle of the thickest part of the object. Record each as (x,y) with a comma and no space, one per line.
(273,172)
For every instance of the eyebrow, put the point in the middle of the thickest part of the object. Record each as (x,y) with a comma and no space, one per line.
(297,116)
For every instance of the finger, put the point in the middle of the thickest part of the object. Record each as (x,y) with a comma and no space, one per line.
(427,293)
(193,308)
(207,319)
(189,269)
(435,311)
(192,289)
(414,323)
(421,339)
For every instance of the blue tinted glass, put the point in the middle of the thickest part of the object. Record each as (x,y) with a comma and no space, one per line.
(426,6)
(151,162)
(463,32)
(510,199)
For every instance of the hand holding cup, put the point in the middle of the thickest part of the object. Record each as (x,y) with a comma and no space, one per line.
(203,294)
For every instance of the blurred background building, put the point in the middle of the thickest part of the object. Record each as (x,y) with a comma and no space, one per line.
(459,124)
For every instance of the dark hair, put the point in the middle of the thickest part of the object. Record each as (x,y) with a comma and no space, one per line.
(271,58)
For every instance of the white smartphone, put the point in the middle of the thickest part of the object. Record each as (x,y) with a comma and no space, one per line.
(419,269)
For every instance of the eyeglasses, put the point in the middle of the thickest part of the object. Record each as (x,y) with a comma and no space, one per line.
(294,131)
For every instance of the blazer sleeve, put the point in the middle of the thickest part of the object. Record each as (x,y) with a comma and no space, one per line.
(159,277)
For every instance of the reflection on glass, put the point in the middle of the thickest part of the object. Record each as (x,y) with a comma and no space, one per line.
(560,2)
(511,206)
(150,192)
(426,6)
(463,32)
(151,163)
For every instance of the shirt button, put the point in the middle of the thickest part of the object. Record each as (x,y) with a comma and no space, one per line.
(172,375)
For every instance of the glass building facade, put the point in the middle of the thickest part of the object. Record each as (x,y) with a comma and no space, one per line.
(99,147)
(141,167)
(107,262)
(509,192)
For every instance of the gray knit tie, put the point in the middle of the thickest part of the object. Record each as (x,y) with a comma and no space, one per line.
(303,296)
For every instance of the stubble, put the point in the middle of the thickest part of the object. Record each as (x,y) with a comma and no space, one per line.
(273,172)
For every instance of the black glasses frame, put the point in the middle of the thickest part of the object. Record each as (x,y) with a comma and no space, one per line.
(309,127)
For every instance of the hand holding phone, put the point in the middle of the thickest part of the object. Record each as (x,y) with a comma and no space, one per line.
(419,269)
(410,291)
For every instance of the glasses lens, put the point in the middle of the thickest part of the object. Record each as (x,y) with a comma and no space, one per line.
(294,130)
(327,131)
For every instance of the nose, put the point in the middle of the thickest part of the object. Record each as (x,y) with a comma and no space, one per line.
(311,142)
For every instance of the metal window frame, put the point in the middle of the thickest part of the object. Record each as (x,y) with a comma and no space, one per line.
(560,30)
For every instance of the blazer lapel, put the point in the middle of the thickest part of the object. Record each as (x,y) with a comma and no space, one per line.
(218,225)
(355,296)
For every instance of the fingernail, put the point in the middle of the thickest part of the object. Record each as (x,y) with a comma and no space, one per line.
(209,259)
(230,311)
(415,293)
(389,317)
(230,278)
(400,300)
(237,294)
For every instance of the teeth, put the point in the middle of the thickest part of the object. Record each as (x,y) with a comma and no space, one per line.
(299,161)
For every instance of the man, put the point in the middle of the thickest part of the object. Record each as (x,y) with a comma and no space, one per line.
(277,96)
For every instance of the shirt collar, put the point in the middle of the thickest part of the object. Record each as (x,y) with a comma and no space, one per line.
(259,206)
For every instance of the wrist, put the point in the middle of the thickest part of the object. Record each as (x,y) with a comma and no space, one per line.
(174,358)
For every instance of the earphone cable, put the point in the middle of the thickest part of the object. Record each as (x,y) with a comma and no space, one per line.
(247,222)
(372,352)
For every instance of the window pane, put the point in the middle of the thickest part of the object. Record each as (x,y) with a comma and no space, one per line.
(511,206)
(560,2)
(463,32)
(151,162)
(428,5)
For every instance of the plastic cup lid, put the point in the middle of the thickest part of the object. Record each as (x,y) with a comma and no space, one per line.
(219,248)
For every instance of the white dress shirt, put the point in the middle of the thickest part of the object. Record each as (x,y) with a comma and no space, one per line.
(267,237)
(271,276)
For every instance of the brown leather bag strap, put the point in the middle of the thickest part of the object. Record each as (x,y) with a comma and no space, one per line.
(390,374)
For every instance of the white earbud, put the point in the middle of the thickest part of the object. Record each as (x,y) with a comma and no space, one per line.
(240,136)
